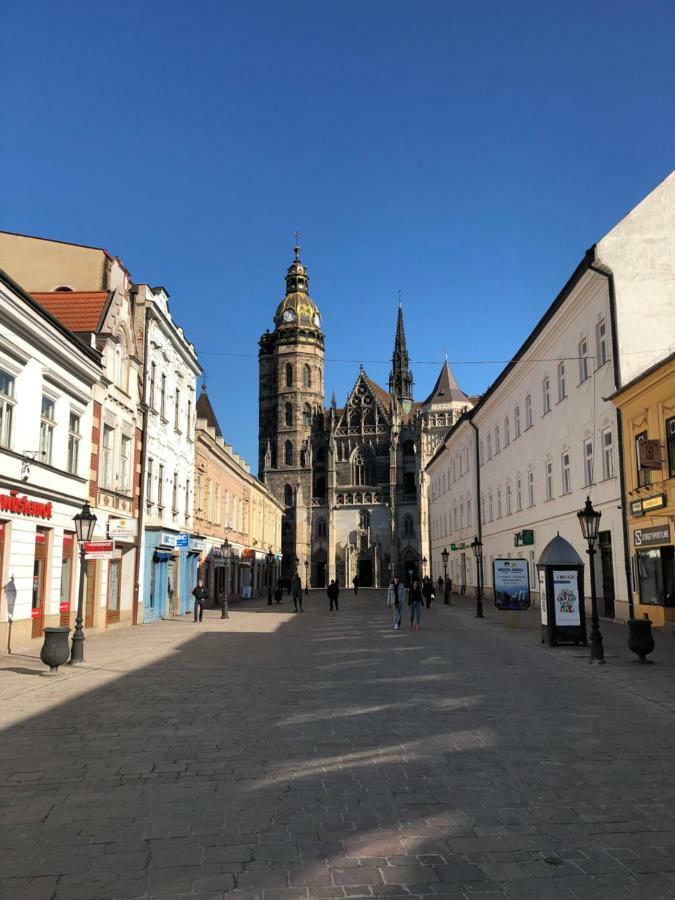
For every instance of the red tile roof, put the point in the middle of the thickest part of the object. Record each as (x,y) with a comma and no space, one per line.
(78,310)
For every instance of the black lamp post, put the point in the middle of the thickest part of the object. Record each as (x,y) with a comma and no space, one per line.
(446,593)
(477,547)
(84,529)
(270,560)
(225,550)
(589,520)
(306,577)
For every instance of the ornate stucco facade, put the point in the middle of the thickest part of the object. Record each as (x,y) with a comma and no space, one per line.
(351,479)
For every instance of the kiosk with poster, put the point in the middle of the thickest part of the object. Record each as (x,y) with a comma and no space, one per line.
(561,579)
(511,581)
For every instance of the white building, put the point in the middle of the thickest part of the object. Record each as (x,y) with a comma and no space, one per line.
(46,379)
(170,549)
(546,436)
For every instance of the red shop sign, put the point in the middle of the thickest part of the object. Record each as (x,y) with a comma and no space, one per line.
(64,607)
(13,503)
(35,613)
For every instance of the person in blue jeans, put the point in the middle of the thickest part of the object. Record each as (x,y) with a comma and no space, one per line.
(415,599)
(395,598)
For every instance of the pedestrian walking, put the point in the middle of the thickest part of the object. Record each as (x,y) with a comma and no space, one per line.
(395,598)
(355,582)
(440,585)
(279,591)
(333,592)
(296,590)
(448,591)
(200,594)
(415,598)
(428,590)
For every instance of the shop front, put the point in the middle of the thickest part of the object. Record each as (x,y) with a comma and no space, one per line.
(160,567)
(654,573)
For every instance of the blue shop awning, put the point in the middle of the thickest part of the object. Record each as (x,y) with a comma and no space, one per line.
(162,556)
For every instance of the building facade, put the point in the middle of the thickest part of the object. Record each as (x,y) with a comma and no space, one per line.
(350,478)
(46,381)
(646,408)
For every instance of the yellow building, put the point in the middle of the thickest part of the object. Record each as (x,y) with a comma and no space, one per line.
(647,415)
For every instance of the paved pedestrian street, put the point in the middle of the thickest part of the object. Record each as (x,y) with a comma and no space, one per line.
(325,755)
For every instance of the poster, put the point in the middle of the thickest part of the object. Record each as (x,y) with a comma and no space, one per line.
(511,580)
(566,598)
(542,598)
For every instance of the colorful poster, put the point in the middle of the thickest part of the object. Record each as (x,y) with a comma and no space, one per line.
(542,598)
(566,598)
(512,583)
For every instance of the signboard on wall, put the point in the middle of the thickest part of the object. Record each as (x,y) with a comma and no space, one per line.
(649,454)
(183,540)
(511,581)
(99,549)
(646,537)
(566,598)
(122,529)
(542,598)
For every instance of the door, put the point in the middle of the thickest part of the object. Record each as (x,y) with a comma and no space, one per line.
(67,562)
(38,600)
(90,593)
(170,591)
(114,579)
(365,573)
(321,574)
(607,568)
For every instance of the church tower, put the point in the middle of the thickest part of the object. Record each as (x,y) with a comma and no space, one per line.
(291,362)
(401,380)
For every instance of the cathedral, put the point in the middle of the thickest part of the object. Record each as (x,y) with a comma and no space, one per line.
(351,478)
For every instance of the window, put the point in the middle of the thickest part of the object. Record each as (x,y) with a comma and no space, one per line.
(499,503)
(482,509)
(148,482)
(562,393)
(162,396)
(188,418)
(489,446)
(497,441)
(600,343)
(306,376)
(565,467)
(107,456)
(174,494)
(508,499)
(548,479)
(153,378)
(306,416)
(361,467)
(321,530)
(160,487)
(461,515)
(46,430)
(125,464)
(468,514)
(607,454)
(455,519)
(644,475)
(73,442)
(482,453)
(516,421)
(6,408)
(176,410)
(289,413)
(507,432)
(187,498)
(546,392)
(582,350)
(670,445)
(656,575)
(530,488)
(528,411)
(289,375)
(490,516)
(408,529)
(288,495)
(288,453)
(588,462)
(519,494)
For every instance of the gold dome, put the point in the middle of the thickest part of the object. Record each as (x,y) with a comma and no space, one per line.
(297,308)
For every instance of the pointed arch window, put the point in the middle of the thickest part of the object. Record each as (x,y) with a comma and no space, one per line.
(321,531)
(320,487)
(362,467)
(408,526)
(288,495)
(307,415)
(306,376)
(288,453)
(289,413)
(289,375)
(364,519)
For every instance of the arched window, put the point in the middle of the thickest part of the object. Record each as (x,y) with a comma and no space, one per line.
(409,448)
(319,376)
(364,519)
(306,415)
(362,468)
(321,528)
(288,495)
(320,487)
(409,483)
(289,375)
(408,527)
(289,413)
(288,453)
(355,419)
(306,376)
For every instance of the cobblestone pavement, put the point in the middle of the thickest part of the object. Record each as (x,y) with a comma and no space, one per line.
(325,755)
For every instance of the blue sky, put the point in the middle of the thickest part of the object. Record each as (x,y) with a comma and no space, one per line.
(466,154)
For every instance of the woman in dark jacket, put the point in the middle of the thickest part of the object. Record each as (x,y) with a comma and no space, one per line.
(415,603)
(427,590)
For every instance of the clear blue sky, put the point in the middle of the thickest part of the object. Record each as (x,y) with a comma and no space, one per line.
(467,154)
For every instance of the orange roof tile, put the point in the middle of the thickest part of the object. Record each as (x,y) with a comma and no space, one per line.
(78,310)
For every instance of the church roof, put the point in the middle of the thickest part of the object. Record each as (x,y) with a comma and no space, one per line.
(297,309)
(205,411)
(446,389)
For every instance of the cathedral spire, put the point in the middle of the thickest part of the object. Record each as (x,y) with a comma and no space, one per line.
(401,380)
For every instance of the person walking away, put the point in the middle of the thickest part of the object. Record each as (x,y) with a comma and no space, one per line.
(428,590)
(333,592)
(355,582)
(448,591)
(296,590)
(279,591)
(395,598)
(415,598)
(200,594)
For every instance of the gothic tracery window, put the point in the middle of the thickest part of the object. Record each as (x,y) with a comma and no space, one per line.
(306,376)
(288,453)
(307,415)
(364,519)
(289,375)
(288,495)
(289,414)
(362,468)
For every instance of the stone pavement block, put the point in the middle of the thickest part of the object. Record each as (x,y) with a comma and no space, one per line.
(457,872)
(408,874)
(356,875)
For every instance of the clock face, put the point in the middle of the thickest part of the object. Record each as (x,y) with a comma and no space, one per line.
(288,316)
(317,320)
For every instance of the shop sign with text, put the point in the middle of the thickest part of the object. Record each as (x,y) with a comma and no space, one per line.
(99,549)
(23,506)
(645,537)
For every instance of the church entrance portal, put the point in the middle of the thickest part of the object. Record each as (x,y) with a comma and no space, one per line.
(320,575)
(365,573)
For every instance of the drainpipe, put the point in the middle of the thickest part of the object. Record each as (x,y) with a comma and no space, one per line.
(141,495)
(609,275)
(478,507)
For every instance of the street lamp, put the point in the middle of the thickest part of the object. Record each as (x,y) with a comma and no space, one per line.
(589,520)
(270,560)
(446,593)
(84,529)
(306,577)
(477,547)
(225,550)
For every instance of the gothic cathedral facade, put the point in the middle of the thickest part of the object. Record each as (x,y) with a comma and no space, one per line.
(351,479)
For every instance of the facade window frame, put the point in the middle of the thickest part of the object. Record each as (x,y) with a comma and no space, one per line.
(74,437)
(582,350)
(7,404)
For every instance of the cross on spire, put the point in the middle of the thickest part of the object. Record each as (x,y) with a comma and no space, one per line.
(296,249)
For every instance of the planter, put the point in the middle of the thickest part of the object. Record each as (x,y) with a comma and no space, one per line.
(55,650)
(640,638)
